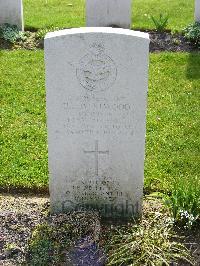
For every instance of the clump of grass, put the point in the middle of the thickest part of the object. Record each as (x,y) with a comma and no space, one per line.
(147,243)
(161,22)
(42,32)
(184,201)
(51,241)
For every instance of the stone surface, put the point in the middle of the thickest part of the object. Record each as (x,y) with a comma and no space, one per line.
(108,13)
(197,10)
(11,11)
(96,81)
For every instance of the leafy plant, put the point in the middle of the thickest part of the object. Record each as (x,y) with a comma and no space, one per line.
(11,33)
(161,22)
(42,32)
(192,33)
(184,202)
(149,243)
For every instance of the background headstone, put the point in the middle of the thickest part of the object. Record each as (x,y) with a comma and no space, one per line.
(11,12)
(96,81)
(197,10)
(108,13)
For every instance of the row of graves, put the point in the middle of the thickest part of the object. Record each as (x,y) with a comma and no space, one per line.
(99,13)
(96,82)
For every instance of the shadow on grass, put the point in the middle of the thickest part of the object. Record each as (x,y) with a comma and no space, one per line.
(193,66)
(31,29)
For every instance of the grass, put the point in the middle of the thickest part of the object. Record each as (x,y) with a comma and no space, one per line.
(68,13)
(148,243)
(184,201)
(23,141)
(54,13)
(173,141)
(180,12)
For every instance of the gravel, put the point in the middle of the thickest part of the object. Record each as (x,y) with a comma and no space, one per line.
(18,217)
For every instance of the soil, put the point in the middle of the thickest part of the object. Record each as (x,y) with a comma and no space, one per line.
(160,41)
(191,239)
(19,216)
(165,41)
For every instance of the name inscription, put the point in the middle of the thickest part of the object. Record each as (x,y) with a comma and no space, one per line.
(95,116)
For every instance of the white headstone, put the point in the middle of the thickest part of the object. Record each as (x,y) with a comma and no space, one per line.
(108,13)
(11,12)
(197,10)
(96,80)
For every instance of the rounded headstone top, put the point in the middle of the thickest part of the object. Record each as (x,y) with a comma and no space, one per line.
(104,30)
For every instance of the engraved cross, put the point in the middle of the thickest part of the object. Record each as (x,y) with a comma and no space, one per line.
(97,153)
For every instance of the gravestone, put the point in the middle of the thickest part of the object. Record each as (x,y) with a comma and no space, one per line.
(11,12)
(197,10)
(96,80)
(108,13)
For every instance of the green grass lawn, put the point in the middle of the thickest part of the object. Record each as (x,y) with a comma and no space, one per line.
(24,156)
(180,12)
(173,142)
(71,13)
(54,13)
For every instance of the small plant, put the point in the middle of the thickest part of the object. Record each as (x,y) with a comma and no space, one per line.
(11,33)
(184,202)
(147,243)
(51,241)
(42,32)
(192,33)
(161,22)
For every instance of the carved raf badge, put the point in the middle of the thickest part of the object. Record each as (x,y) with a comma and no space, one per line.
(96,71)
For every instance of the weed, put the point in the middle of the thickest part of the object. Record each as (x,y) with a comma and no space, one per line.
(42,32)
(161,22)
(147,243)
(50,242)
(184,201)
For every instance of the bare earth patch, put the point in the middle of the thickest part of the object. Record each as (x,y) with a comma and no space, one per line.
(165,41)
(18,217)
